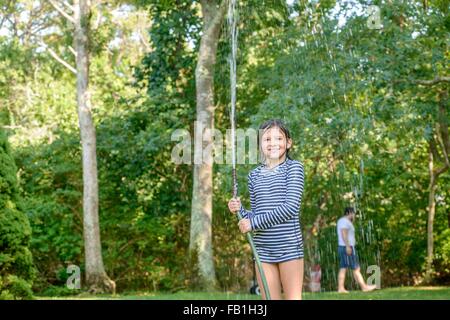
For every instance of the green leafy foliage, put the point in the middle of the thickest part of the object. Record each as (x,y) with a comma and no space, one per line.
(16,265)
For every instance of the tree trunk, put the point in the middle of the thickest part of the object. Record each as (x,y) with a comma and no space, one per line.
(200,244)
(96,279)
(439,139)
(443,130)
(448,219)
(431,214)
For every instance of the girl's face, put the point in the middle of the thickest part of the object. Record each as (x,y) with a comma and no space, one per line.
(274,143)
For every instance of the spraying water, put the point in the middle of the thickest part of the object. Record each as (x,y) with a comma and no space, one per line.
(232,17)
(347,176)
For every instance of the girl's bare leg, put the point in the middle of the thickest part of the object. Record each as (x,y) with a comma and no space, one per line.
(273,280)
(291,274)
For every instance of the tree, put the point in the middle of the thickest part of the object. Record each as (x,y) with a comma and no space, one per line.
(96,277)
(439,150)
(201,216)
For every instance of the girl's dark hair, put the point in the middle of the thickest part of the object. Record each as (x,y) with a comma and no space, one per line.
(274,123)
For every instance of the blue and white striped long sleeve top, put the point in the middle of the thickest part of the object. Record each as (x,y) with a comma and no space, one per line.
(275,199)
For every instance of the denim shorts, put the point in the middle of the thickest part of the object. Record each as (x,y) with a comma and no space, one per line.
(348,261)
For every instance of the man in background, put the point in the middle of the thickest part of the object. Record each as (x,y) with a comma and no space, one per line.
(348,257)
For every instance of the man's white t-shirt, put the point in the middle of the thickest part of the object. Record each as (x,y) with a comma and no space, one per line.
(344,223)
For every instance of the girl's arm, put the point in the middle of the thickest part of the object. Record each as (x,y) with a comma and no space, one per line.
(247,213)
(285,211)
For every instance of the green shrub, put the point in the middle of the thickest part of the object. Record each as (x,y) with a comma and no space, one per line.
(15,288)
(16,265)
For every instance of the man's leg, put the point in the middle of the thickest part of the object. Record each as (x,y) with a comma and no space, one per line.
(341,280)
(343,265)
(362,284)
(273,280)
(291,274)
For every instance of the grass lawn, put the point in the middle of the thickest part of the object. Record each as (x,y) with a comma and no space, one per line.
(400,293)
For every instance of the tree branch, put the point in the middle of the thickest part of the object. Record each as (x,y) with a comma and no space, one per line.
(443,120)
(433,81)
(143,41)
(433,148)
(62,12)
(12,127)
(4,16)
(444,150)
(70,7)
(437,172)
(73,51)
(441,171)
(59,59)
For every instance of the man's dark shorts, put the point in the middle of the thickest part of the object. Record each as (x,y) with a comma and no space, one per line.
(348,261)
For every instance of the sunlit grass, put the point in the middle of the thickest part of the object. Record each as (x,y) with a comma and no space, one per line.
(401,293)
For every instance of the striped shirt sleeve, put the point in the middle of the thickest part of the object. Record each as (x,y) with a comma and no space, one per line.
(285,211)
(247,213)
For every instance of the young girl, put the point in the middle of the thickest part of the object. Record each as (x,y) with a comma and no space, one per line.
(276,188)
